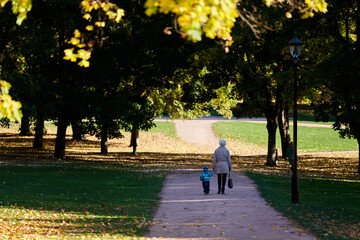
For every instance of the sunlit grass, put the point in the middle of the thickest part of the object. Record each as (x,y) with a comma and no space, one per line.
(168,128)
(310,139)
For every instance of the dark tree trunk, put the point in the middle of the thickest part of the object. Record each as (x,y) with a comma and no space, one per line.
(358,140)
(104,141)
(284,128)
(77,130)
(25,125)
(61,137)
(271,114)
(357,20)
(134,142)
(271,127)
(39,131)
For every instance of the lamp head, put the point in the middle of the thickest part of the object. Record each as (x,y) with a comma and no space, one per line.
(295,47)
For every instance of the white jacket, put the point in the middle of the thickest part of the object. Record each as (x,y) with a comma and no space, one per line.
(221,160)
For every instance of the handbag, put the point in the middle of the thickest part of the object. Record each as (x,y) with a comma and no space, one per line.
(230,182)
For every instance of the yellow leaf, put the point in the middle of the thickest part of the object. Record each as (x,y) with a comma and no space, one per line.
(119,14)
(87,16)
(268,2)
(83,54)
(77,33)
(84,63)
(74,41)
(70,55)
(90,27)
(275,228)
(100,24)
(68,52)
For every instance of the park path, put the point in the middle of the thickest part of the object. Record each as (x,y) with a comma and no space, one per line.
(196,131)
(186,213)
(241,213)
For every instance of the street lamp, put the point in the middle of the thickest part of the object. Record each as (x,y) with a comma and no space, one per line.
(295,50)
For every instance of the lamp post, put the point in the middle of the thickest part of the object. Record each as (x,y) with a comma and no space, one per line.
(295,50)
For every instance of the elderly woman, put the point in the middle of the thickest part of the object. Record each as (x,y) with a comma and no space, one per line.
(221,165)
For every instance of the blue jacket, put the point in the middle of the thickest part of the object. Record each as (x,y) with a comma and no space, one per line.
(205,176)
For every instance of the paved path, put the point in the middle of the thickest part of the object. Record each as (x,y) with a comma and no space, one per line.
(196,131)
(186,213)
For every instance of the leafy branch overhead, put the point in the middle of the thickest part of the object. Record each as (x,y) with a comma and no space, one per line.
(214,18)
(19,8)
(98,14)
(193,19)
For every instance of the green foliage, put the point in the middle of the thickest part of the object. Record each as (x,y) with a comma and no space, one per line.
(329,208)
(310,139)
(341,75)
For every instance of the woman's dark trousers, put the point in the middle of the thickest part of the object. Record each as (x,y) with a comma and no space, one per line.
(221,182)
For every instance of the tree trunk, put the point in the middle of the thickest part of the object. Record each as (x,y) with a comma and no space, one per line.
(134,142)
(271,127)
(104,141)
(39,131)
(358,140)
(61,137)
(77,130)
(357,21)
(284,128)
(25,125)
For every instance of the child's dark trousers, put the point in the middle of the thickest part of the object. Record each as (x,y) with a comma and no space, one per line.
(206,186)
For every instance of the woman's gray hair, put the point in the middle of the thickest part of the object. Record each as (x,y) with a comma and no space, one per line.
(222,142)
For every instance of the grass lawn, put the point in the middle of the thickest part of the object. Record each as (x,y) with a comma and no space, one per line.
(168,128)
(329,208)
(310,139)
(94,196)
(75,200)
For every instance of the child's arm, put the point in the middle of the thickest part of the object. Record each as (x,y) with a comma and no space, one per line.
(201,177)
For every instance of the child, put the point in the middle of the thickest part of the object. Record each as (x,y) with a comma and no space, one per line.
(205,178)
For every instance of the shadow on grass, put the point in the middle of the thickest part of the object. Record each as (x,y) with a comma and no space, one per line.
(84,197)
(309,166)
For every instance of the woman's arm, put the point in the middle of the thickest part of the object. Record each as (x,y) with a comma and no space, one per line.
(214,161)
(229,161)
